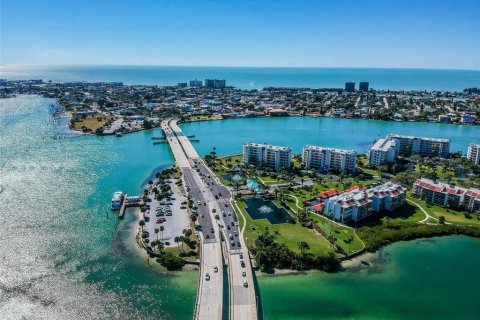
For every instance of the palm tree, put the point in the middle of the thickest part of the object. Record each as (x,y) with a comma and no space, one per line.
(141,223)
(177,241)
(160,246)
(156,232)
(162,228)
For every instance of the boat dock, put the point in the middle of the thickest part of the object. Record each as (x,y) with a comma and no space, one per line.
(121,212)
(127,202)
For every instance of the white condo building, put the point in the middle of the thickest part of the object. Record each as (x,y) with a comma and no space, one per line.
(474,153)
(274,157)
(383,151)
(359,203)
(327,159)
(427,147)
(388,149)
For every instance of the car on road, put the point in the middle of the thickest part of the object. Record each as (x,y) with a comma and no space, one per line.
(212,231)
(232,244)
(242,263)
(228,227)
(232,223)
(238,244)
(244,273)
(230,236)
(207,276)
(241,255)
(245,283)
(215,269)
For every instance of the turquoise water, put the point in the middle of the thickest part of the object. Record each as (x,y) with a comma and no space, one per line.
(426,279)
(64,255)
(255,78)
(229,135)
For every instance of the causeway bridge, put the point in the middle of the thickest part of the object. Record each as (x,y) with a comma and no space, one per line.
(221,242)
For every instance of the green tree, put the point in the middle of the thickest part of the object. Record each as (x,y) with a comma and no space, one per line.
(303,246)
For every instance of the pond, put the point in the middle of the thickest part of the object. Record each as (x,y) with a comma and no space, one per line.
(258,208)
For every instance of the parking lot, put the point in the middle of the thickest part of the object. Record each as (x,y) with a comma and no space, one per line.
(171,214)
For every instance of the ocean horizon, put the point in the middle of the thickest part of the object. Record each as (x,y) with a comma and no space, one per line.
(253,77)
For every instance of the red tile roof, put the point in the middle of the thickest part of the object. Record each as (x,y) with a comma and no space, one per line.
(328,193)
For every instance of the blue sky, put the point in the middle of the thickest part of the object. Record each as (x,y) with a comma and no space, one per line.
(335,33)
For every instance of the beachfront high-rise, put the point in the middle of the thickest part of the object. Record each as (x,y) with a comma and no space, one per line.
(196,83)
(350,86)
(329,159)
(474,153)
(215,83)
(363,86)
(259,154)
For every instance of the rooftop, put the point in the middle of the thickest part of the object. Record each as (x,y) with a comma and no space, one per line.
(398,136)
(342,151)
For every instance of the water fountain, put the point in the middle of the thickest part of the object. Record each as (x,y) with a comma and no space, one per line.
(265,210)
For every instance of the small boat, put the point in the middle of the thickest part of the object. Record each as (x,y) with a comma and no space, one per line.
(117,199)
(119,134)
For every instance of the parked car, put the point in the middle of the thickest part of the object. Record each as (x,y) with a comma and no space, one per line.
(245,283)
(207,276)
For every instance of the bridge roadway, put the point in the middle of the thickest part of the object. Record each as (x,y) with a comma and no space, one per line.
(242,299)
(209,304)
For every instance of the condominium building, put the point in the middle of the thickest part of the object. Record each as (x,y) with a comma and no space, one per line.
(445,195)
(474,153)
(329,159)
(196,83)
(350,86)
(274,157)
(388,196)
(215,83)
(359,203)
(363,86)
(383,151)
(429,147)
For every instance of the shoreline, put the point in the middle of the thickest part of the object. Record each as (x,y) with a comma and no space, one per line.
(69,116)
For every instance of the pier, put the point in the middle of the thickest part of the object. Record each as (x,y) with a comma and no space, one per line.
(121,212)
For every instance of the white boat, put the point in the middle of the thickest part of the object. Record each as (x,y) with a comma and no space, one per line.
(117,200)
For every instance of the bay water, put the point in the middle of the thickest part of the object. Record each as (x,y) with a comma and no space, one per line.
(64,255)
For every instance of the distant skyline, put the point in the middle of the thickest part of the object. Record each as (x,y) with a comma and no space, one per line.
(441,34)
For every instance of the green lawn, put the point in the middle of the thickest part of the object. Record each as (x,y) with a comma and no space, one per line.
(223,164)
(451,215)
(290,234)
(439,171)
(362,163)
(93,122)
(340,232)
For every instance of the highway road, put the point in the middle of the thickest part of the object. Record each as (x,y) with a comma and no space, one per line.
(208,194)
